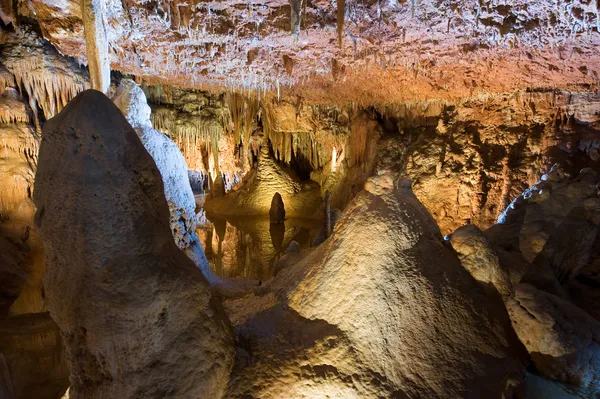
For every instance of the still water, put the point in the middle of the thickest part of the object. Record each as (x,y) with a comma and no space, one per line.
(249,247)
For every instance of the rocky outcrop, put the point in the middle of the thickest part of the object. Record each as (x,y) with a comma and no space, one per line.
(477,255)
(563,340)
(136,315)
(381,309)
(548,241)
(168,158)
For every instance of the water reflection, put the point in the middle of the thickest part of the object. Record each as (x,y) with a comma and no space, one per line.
(249,247)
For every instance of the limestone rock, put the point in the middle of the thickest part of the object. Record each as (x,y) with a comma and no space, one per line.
(254,195)
(544,206)
(137,317)
(584,289)
(12,273)
(32,358)
(563,340)
(277,211)
(477,255)
(168,158)
(381,309)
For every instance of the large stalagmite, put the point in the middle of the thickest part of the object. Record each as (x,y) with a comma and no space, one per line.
(381,309)
(168,158)
(137,317)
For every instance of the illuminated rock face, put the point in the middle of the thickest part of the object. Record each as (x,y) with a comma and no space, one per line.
(169,161)
(136,315)
(389,51)
(382,309)
(254,195)
(478,256)
(547,242)
(564,341)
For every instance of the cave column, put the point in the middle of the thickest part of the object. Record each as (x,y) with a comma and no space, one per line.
(96,44)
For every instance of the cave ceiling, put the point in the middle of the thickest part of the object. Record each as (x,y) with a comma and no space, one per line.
(382,51)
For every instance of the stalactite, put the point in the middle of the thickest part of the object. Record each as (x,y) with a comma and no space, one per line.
(357,144)
(296,17)
(96,44)
(194,137)
(50,91)
(341,13)
(6,79)
(244,113)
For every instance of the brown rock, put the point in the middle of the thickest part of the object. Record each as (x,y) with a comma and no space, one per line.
(381,309)
(277,211)
(563,340)
(137,317)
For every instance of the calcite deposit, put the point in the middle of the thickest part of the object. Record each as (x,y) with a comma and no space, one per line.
(104,218)
(303,199)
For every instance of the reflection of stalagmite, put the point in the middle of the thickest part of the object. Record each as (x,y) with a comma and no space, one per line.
(96,44)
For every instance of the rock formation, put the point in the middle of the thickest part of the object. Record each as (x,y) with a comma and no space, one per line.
(370,313)
(478,256)
(168,158)
(547,240)
(32,358)
(277,211)
(96,43)
(109,250)
(253,196)
(12,273)
(564,341)
(389,52)
(263,104)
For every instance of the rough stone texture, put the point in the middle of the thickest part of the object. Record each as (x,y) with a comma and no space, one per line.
(478,256)
(468,160)
(13,273)
(381,309)
(96,44)
(136,315)
(169,161)
(32,358)
(563,340)
(546,205)
(253,197)
(42,75)
(389,51)
(584,288)
(277,211)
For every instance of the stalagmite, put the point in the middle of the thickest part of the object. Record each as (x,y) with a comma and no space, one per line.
(308,333)
(137,317)
(168,158)
(96,44)
(277,212)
